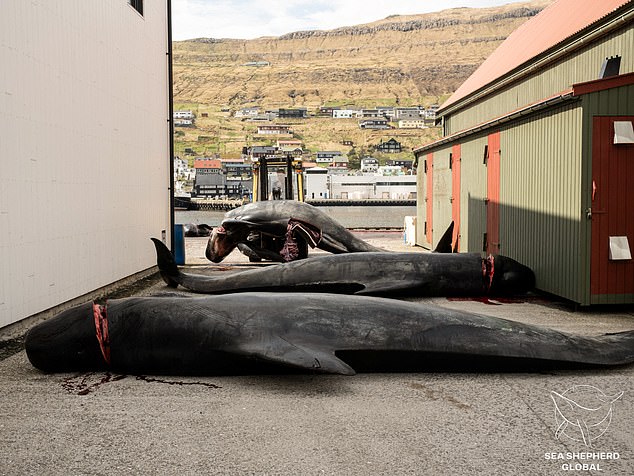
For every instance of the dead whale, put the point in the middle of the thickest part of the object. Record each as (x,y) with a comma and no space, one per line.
(322,333)
(280,230)
(378,273)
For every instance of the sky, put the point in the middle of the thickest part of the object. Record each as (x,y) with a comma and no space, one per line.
(247,19)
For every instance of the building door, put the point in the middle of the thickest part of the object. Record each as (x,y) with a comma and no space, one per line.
(429,196)
(612,214)
(455,196)
(492,239)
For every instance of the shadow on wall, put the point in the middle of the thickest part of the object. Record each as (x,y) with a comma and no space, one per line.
(550,245)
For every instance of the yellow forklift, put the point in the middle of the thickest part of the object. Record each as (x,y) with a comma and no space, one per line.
(290,167)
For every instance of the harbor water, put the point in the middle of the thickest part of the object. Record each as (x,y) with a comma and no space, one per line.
(350,217)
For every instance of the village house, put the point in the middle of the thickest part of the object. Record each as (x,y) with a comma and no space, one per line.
(274,129)
(340,161)
(369,165)
(247,112)
(209,179)
(259,151)
(183,115)
(182,170)
(344,113)
(299,113)
(294,143)
(327,156)
(404,164)
(412,124)
(374,124)
(391,146)
(407,113)
(371,114)
(328,110)
(386,111)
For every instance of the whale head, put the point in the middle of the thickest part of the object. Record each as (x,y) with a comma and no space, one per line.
(221,243)
(67,342)
(511,277)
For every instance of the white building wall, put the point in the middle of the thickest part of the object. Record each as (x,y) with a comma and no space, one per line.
(84,150)
(316,184)
(361,187)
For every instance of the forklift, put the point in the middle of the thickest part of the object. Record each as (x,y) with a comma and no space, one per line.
(292,168)
(293,180)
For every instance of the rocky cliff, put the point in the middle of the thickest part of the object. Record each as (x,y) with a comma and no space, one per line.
(398,60)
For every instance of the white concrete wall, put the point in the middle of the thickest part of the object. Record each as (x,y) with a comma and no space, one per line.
(316,185)
(361,187)
(84,147)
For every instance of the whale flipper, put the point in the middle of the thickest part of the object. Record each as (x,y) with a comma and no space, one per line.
(302,356)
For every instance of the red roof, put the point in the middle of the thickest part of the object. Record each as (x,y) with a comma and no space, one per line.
(207,164)
(551,26)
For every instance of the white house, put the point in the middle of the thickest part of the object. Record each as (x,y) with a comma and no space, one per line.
(369,165)
(183,115)
(412,124)
(247,112)
(316,183)
(344,113)
(92,191)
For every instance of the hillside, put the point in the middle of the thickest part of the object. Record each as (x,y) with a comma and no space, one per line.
(400,60)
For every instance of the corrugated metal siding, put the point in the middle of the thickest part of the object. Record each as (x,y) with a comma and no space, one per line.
(421,204)
(429,197)
(84,152)
(473,186)
(493,193)
(582,65)
(541,208)
(455,196)
(441,194)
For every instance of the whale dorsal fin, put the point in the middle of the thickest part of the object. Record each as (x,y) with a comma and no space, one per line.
(310,357)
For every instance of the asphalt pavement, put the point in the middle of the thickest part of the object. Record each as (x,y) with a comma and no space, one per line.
(431,423)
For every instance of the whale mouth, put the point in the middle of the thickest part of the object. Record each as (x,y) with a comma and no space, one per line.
(219,245)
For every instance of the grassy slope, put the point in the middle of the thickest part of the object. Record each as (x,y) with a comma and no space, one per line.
(362,66)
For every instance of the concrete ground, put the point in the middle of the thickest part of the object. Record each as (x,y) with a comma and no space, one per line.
(432,423)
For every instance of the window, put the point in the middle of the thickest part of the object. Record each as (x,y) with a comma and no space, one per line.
(137,5)
(610,67)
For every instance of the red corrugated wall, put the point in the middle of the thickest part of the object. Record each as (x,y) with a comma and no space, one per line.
(493,194)
(612,208)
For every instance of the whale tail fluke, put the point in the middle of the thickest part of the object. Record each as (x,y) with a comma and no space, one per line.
(166,263)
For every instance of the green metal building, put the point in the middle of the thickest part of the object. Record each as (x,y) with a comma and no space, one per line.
(537,159)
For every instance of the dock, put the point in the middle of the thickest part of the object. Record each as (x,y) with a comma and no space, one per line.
(368,202)
(207,204)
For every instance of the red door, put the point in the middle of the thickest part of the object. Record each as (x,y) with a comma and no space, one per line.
(612,211)
(493,194)
(455,196)
(429,198)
